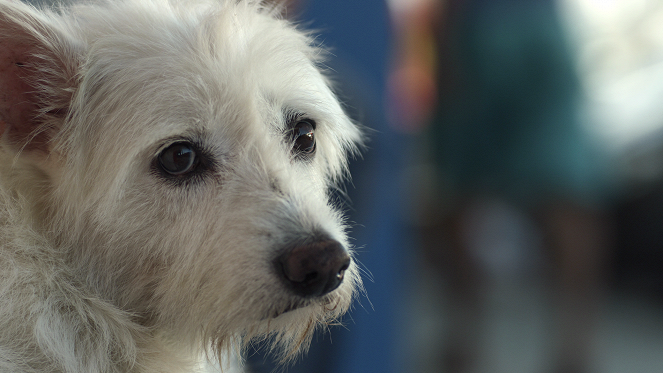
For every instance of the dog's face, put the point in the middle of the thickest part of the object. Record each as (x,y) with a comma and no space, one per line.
(189,152)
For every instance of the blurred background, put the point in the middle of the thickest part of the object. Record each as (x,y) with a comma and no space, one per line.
(508,211)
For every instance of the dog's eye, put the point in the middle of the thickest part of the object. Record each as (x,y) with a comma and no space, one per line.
(178,159)
(303,137)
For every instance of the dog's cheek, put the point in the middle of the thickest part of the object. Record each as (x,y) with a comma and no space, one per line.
(204,249)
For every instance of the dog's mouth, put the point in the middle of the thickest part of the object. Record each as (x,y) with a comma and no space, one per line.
(329,303)
(291,307)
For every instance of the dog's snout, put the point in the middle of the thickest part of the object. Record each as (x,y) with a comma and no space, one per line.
(314,269)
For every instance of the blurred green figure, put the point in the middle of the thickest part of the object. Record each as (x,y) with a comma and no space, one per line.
(495,82)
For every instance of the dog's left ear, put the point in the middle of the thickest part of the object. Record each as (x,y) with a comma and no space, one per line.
(38,68)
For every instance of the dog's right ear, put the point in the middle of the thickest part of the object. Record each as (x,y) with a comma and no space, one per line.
(38,67)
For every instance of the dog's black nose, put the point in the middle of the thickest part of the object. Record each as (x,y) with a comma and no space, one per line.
(314,269)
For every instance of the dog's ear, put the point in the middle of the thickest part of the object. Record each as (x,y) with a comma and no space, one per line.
(38,68)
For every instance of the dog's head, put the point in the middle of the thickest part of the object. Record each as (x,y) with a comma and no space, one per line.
(183,156)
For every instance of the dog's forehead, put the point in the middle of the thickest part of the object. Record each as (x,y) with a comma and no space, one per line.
(256,54)
(223,60)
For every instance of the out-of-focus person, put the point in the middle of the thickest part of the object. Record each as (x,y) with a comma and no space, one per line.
(492,84)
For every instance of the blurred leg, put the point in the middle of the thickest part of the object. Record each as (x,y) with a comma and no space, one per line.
(446,252)
(579,238)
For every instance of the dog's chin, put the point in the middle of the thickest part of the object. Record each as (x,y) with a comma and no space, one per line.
(326,303)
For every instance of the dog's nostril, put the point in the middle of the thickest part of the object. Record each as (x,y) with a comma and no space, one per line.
(311,277)
(341,272)
(314,269)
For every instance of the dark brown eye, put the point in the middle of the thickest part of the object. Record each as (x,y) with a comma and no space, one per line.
(303,137)
(178,159)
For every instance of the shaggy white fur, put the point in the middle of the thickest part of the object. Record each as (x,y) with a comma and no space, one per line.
(165,170)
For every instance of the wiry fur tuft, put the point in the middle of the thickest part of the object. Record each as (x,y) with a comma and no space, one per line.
(107,262)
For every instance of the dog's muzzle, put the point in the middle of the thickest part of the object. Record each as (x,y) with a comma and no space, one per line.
(314,269)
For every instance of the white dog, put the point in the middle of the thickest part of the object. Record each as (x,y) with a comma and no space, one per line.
(165,170)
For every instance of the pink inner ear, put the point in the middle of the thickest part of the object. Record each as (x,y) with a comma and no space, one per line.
(18,108)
